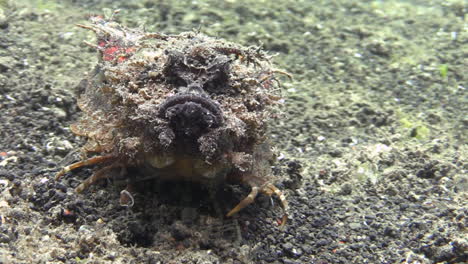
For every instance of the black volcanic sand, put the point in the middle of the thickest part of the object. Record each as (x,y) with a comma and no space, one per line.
(372,146)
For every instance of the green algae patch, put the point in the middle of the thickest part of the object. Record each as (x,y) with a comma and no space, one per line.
(443,70)
(417,128)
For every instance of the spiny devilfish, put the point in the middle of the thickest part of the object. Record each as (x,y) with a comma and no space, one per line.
(178,107)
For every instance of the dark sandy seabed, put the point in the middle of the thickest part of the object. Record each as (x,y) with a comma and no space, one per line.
(372,146)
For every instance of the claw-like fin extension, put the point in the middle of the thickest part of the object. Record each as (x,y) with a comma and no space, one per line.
(247,200)
(90,161)
(283,73)
(92,45)
(98,175)
(269,190)
(92,28)
(95,29)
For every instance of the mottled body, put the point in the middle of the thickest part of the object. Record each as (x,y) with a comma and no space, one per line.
(180,107)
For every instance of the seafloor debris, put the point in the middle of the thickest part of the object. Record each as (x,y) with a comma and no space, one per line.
(178,107)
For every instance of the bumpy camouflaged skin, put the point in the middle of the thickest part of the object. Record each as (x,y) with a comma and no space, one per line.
(158,100)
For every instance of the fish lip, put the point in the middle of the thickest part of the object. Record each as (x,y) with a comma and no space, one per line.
(189,116)
(187,98)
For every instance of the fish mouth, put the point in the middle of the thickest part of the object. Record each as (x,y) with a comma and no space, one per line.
(190,115)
